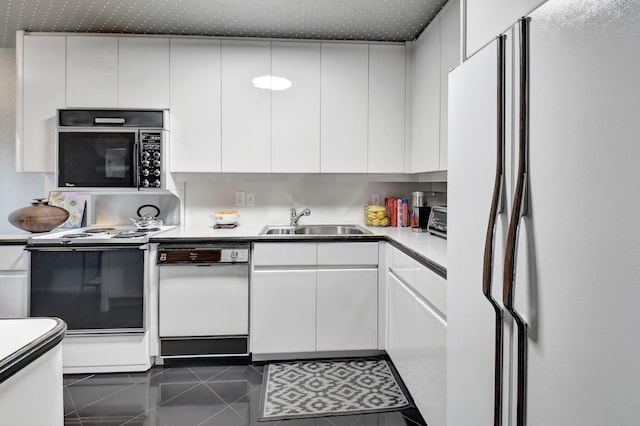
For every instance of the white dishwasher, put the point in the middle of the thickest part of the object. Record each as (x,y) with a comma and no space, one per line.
(203,300)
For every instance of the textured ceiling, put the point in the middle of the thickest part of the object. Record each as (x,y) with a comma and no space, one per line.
(388,20)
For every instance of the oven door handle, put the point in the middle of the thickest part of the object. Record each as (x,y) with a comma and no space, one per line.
(86,248)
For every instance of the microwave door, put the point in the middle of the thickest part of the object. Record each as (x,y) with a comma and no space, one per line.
(97,159)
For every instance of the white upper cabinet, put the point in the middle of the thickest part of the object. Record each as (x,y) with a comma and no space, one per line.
(344,74)
(195,105)
(486,19)
(246,108)
(449,59)
(437,50)
(92,72)
(40,92)
(426,107)
(295,115)
(143,72)
(386,108)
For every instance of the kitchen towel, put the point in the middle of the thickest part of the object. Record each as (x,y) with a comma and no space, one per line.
(330,387)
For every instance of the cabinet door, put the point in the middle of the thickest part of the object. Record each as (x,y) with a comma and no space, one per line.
(283,311)
(42,68)
(401,320)
(13,295)
(426,107)
(195,105)
(295,116)
(246,108)
(347,309)
(386,108)
(428,385)
(449,59)
(92,72)
(344,75)
(143,72)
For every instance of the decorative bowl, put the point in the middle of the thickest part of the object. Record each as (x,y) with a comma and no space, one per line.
(222,217)
(39,217)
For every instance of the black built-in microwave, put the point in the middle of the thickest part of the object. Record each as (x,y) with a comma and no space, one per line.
(110,149)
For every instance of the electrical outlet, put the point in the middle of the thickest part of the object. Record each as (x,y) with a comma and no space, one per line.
(375,199)
(251,199)
(240,199)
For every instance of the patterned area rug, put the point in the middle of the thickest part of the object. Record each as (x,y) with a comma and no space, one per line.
(329,388)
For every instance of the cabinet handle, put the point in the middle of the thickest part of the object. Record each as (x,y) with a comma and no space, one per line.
(519,210)
(496,208)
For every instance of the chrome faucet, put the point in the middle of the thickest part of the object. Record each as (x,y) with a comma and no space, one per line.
(295,216)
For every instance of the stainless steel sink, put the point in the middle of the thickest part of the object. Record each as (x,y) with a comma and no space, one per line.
(309,230)
(277,230)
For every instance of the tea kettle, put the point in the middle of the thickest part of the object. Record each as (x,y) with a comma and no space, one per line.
(147,221)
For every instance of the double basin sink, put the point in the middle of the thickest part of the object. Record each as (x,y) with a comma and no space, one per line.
(310,230)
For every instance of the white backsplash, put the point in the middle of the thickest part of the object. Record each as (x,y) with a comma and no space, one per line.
(331,199)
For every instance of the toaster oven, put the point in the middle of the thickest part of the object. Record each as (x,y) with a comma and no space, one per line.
(437,224)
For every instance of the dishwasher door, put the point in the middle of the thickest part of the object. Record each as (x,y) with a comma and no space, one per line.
(208,300)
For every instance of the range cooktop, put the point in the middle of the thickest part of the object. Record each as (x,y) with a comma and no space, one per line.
(97,235)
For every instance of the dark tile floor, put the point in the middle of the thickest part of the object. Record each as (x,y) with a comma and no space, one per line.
(190,394)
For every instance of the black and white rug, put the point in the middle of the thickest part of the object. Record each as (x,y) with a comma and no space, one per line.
(329,388)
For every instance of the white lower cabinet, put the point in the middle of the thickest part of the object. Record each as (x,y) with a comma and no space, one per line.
(347,309)
(302,303)
(417,340)
(284,311)
(14,284)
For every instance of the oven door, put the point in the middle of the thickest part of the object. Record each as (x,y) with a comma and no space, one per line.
(98,158)
(94,289)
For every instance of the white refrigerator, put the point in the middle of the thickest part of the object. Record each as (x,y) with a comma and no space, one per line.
(543,324)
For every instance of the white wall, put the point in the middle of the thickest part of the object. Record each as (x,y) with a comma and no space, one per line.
(331,198)
(16,189)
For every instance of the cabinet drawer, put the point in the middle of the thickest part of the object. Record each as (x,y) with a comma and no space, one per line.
(284,254)
(432,287)
(13,258)
(402,265)
(348,253)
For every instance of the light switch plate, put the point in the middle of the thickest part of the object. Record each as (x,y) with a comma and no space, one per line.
(375,199)
(251,199)
(240,199)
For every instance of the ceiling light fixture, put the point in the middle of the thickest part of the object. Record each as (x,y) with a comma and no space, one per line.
(271,82)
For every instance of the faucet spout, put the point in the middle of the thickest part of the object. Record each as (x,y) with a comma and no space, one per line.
(294,216)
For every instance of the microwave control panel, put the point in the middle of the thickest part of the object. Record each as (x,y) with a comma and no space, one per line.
(150,159)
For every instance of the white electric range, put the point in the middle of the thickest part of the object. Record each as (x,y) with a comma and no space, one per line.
(98,280)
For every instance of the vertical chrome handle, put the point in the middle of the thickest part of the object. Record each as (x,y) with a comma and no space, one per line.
(519,209)
(496,202)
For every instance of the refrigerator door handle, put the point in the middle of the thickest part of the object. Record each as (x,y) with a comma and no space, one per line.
(518,210)
(497,207)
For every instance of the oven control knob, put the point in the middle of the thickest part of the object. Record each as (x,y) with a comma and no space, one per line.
(234,254)
(145,183)
(156,172)
(157,183)
(145,172)
(156,163)
(145,155)
(156,155)
(145,163)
